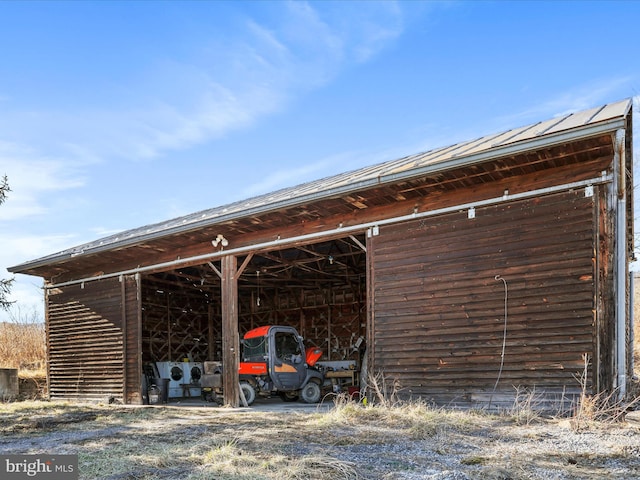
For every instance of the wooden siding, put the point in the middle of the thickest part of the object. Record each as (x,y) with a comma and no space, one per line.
(85,340)
(132,318)
(438,306)
(604,374)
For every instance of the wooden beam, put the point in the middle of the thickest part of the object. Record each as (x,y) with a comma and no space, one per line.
(230,338)
(213,267)
(210,336)
(244,265)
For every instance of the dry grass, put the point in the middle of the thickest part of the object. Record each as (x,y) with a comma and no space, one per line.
(414,418)
(349,442)
(23,346)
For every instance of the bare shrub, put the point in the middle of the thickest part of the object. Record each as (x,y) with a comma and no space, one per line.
(381,391)
(527,406)
(602,407)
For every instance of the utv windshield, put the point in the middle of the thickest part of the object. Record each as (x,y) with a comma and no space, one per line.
(255,349)
(286,344)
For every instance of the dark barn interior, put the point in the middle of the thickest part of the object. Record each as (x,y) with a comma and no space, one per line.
(320,289)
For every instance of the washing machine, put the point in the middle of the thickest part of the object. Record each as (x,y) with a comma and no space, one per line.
(174,372)
(193,375)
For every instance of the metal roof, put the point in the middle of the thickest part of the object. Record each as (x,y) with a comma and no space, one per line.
(583,124)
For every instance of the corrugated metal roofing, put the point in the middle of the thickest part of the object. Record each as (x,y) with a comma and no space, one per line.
(587,122)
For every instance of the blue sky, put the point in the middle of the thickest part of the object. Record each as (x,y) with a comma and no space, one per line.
(115,115)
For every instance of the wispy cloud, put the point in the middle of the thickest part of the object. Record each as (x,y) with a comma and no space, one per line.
(369,30)
(31,176)
(229,84)
(301,50)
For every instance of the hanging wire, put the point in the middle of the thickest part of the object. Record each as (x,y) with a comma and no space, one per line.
(504,336)
(258,296)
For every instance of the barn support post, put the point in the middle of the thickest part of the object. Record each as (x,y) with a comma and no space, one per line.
(47,338)
(369,356)
(621,263)
(632,340)
(230,338)
(123,320)
(133,388)
(138,319)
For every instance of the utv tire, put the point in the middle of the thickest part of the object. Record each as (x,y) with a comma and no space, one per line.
(289,396)
(249,392)
(311,393)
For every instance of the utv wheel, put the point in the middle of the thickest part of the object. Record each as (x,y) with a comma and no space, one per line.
(289,396)
(249,392)
(311,393)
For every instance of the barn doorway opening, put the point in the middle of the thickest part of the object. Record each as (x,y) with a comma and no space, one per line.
(320,289)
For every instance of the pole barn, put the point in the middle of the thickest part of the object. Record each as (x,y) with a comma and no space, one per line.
(465,275)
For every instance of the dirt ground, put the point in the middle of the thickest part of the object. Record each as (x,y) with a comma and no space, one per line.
(344,442)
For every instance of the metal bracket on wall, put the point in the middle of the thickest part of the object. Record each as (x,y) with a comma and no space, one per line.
(471,213)
(588,191)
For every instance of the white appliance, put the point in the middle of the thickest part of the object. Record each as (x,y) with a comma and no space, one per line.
(193,374)
(179,375)
(175,373)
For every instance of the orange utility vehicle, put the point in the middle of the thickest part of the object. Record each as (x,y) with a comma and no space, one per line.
(274,360)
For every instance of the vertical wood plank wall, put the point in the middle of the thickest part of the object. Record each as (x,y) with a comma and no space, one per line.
(132,319)
(85,335)
(439,310)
